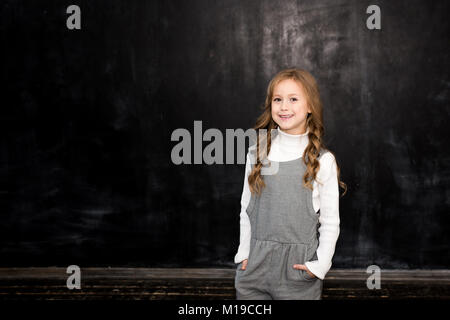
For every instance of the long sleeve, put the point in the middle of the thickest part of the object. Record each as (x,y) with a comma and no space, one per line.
(329,216)
(245,227)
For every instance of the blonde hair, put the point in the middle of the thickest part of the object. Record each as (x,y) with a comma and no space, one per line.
(314,123)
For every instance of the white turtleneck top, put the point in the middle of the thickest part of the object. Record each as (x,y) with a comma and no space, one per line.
(287,147)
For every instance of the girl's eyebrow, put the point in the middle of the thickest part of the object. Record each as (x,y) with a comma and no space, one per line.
(291,94)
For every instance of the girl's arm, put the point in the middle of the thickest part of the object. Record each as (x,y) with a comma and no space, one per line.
(329,216)
(245,228)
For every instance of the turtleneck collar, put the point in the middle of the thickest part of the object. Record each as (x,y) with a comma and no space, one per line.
(292,139)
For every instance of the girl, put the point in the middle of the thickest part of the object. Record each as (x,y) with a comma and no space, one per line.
(289,220)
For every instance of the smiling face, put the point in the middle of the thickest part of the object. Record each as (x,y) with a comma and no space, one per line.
(289,107)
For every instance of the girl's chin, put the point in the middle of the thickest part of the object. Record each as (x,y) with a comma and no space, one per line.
(287,127)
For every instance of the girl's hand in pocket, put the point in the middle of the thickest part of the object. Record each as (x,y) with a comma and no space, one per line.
(303,267)
(244,264)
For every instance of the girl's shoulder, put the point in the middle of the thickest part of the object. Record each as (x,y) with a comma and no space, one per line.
(325,155)
(323,151)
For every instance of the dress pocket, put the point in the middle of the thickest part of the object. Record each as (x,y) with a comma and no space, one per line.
(296,255)
(239,268)
(306,276)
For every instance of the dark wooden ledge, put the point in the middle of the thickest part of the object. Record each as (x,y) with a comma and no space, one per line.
(205,283)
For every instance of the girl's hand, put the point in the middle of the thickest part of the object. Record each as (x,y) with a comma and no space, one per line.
(303,267)
(244,264)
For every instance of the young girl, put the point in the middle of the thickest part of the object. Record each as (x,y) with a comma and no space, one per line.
(289,220)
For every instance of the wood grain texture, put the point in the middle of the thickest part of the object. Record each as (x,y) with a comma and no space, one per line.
(207,284)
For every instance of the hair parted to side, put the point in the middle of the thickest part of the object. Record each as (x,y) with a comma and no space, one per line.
(314,122)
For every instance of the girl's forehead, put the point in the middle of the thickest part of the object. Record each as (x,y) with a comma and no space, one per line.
(287,87)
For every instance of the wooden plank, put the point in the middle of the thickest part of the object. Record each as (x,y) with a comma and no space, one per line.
(204,283)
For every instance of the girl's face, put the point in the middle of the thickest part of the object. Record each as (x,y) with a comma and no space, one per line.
(289,107)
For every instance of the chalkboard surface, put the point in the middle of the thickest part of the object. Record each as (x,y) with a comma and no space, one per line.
(87,116)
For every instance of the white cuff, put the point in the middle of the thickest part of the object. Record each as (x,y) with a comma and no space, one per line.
(316,268)
(240,256)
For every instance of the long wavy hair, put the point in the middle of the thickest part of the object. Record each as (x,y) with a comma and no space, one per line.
(314,123)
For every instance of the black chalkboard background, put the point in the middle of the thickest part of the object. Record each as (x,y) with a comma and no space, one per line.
(87,115)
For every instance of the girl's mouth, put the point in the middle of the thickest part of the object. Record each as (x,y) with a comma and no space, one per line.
(286,117)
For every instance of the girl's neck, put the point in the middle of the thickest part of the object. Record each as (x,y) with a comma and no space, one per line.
(288,139)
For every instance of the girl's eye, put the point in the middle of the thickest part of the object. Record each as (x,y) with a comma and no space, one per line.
(292,99)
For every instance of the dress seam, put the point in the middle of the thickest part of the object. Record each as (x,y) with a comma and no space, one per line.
(283,242)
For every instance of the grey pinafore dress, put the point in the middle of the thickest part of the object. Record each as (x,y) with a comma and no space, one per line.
(284,232)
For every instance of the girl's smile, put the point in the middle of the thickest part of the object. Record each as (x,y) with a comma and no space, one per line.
(286,117)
